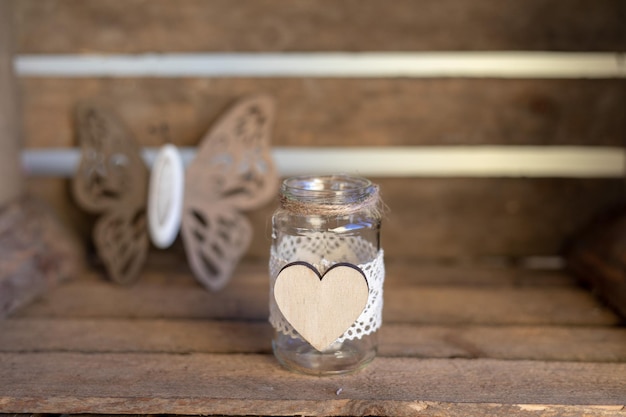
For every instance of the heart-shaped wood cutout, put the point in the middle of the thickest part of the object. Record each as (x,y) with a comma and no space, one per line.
(321,308)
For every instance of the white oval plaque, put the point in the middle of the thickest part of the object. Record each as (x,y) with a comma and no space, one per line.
(165,196)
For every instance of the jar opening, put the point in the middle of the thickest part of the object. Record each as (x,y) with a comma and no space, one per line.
(330,195)
(328,189)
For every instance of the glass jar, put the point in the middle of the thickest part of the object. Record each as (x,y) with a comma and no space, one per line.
(324,221)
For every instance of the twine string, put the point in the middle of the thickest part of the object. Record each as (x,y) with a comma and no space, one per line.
(370,203)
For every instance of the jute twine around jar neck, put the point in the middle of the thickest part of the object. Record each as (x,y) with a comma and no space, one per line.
(370,203)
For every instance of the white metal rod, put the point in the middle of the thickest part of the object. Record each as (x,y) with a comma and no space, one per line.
(455,161)
(375,64)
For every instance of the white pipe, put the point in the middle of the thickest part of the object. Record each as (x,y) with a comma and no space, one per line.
(369,64)
(454,161)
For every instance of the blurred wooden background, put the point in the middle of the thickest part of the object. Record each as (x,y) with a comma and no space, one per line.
(434,218)
(480,317)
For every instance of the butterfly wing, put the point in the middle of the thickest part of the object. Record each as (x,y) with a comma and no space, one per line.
(215,238)
(112,180)
(233,171)
(122,243)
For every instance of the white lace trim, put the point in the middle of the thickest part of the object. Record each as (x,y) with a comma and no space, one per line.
(315,250)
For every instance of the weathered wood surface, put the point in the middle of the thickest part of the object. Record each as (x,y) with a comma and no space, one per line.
(342,112)
(36,253)
(178,296)
(598,258)
(438,409)
(184,336)
(430,408)
(255,384)
(10,173)
(476,339)
(450,219)
(71,26)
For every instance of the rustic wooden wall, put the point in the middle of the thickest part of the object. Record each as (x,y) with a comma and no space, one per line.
(345,112)
(132,26)
(10,173)
(429,217)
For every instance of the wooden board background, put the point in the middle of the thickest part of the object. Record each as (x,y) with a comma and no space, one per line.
(445,219)
(460,337)
(456,341)
(67,26)
(10,181)
(344,112)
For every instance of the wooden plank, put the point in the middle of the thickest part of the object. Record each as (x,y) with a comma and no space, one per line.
(56,193)
(256,384)
(439,409)
(343,112)
(165,267)
(598,258)
(277,25)
(547,343)
(179,297)
(40,335)
(11,182)
(438,219)
(36,253)
(488,306)
(477,218)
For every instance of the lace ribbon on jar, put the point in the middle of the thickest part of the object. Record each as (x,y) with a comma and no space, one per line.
(313,249)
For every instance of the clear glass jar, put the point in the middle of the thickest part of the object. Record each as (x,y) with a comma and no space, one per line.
(325,220)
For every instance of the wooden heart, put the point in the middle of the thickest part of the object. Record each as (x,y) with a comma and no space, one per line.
(321,308)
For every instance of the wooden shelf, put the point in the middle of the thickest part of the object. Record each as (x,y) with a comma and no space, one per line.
(456,341)
(465,339)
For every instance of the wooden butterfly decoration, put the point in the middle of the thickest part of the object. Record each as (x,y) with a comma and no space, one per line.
(232,172)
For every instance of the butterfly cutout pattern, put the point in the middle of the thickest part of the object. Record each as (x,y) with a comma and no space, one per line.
(112,181)
(232,172)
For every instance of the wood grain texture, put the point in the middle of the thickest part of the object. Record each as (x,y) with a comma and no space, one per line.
(477,218)
(546,343)
(456,341)
(598,258)
(36,253)
(178,296)
(11,182)
(427,408)
(71,26)
(343,112)
(256,384)
(62,358)
(437,219)
(321,308)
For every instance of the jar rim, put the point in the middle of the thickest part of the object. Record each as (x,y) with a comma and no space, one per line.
(330,183)
(322,194)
